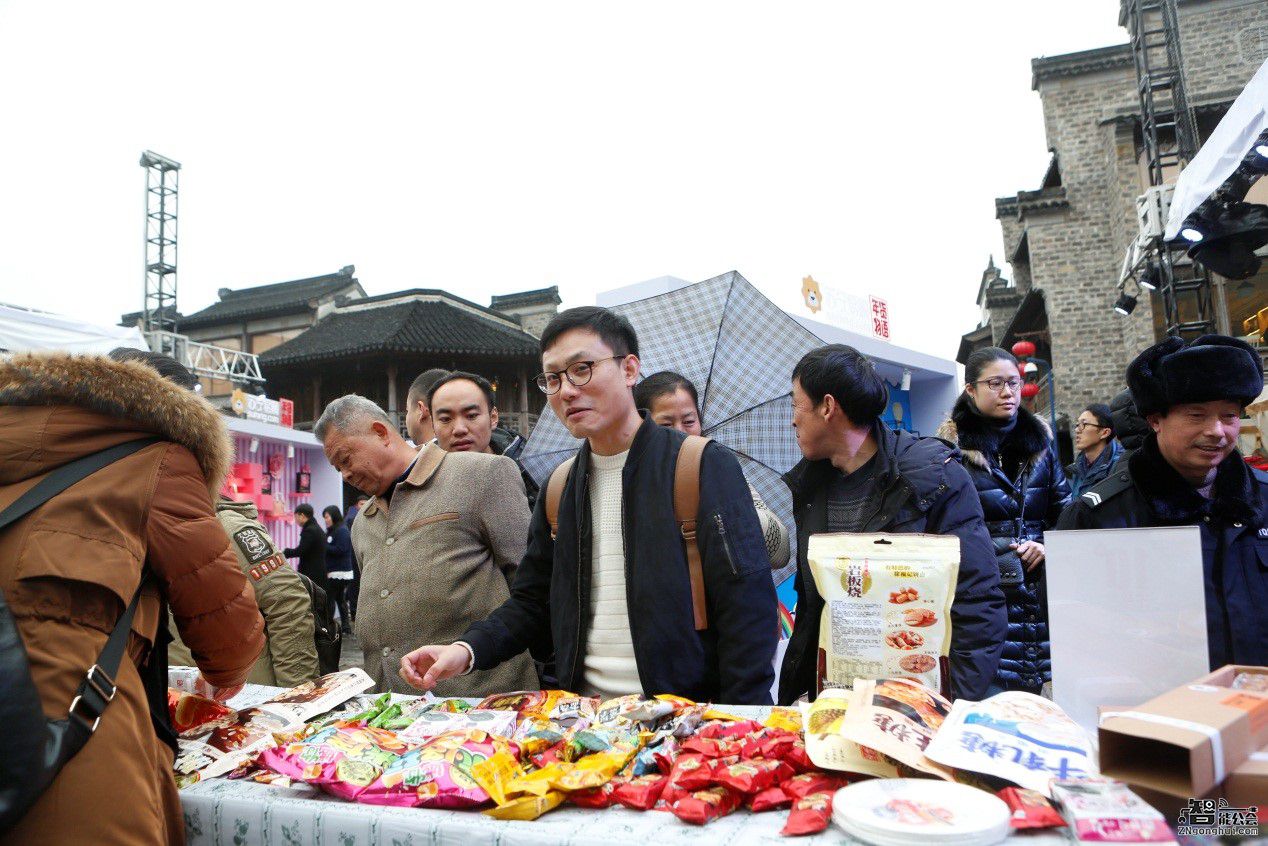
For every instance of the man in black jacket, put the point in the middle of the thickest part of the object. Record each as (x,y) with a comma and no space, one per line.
(1188,472)
(311,550)
(611,593)
(858,476)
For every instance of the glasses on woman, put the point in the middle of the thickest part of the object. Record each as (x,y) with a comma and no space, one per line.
(578,373)
(999,383)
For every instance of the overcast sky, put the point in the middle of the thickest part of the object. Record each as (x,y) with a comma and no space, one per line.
(486,148)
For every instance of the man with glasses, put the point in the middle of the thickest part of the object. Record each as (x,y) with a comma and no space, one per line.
(611,592)
(1098,449)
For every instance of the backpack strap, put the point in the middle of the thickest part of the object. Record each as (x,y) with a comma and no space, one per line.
(555,493)
(686,512)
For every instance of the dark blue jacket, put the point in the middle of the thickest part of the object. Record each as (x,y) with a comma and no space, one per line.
(1023,489)
(730,662)
(1083,476)
(923,489)
(1146,491)
(338,549)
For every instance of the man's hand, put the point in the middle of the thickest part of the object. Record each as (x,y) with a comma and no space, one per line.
(221,694)
(427,665)
(1030,552)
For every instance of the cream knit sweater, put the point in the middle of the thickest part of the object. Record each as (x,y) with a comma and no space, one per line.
(610,669)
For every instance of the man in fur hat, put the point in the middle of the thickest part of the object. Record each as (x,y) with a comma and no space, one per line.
(1188,472)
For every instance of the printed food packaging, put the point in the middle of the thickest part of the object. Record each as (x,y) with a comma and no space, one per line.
(902,811)
(887,607)
(1187,741)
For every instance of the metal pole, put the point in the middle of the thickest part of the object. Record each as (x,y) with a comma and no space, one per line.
(1052,392)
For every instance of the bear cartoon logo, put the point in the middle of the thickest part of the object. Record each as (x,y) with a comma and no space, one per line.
(811,293)
(238,402)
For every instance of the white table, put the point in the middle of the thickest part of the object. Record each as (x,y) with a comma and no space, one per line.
(236,813)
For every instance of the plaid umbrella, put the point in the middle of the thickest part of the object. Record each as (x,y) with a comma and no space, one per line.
(739,349)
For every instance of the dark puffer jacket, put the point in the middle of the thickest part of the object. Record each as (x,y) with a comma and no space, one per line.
(1017,505)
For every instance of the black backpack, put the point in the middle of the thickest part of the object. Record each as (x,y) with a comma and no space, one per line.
(36,747)
(326,632)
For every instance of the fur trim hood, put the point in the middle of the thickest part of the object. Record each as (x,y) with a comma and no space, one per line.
(128,390)
(968,430)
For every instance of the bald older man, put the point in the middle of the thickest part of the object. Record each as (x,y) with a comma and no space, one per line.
(438,543)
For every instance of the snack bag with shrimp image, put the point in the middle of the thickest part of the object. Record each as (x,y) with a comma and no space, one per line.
(887,607)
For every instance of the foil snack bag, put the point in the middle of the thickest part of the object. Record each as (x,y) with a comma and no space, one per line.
(887,607)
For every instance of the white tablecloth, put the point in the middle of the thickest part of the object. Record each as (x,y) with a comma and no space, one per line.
(236,813)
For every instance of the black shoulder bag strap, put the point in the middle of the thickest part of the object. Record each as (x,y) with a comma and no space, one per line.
(44,745)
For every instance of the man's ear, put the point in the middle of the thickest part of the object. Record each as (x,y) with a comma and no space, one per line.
(630,365)
(380,430)
(493,415)
(827,406)
(1155,421)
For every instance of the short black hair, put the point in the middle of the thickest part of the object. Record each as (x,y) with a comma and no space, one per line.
(479,381)
(420,388)
(978,359)
(613,329)
(849,376)
(305,509)
(1104,418)
(167,367)
(660,384)
(333,512)
(362,498)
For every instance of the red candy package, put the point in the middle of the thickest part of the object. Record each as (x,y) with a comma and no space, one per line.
(703,806)
(665,755)
(768,800)
(713,747)
(640,793)
(797,756)
(546,757)
(803,785)
(668,796)
(596,798)
(777,744)
(691,772)
(193,715)
(809,815)
(1030,809)
(728,731)
(751,776)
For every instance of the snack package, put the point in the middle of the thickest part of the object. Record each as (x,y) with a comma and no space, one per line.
(800,786)
(595,798)
(668,796)
(495,774)
(1251,681)
(690,772)
(752,775)
(527,807)
(768,800)
(781,717)
(558,706)
(704,806)
(899,719)
(809,815)
(432,723)
(728,731)
(1019,737)
(591,771)
(887,607)
(617,709)
(714,747)
(1102,811)
(829,749)
(193,715)
(1030,809)
(666,754)
(640,793)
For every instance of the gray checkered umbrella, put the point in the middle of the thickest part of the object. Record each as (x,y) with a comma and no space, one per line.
(739,349)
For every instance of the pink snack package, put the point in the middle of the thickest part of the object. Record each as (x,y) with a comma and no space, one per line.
(374,767)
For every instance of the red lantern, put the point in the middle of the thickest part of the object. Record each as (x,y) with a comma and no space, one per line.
(1029,390)
(1023,349)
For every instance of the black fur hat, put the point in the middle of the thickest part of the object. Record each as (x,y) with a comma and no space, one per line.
(1213,367)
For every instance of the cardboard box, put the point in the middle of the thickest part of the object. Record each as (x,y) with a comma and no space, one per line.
(1248,784)
(1223,677)
(1187,741)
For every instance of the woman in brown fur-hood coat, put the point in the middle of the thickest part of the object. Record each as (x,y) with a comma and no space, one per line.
(69,569)
(1013,464)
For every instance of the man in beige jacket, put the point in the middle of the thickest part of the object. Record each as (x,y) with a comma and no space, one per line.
(438,544)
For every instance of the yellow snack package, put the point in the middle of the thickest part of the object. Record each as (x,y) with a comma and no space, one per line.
(592,771)
(496,774)
(539,782)
(780,717)
(713,714)
(527,807)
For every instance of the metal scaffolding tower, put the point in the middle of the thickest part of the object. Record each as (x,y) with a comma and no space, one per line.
(1171,141)
(162,183)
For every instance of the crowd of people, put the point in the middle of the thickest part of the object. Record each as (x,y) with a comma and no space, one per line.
(459,575)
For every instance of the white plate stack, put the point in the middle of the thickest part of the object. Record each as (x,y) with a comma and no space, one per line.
(920,812)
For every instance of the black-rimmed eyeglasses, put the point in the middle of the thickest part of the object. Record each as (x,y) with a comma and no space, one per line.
(578,373)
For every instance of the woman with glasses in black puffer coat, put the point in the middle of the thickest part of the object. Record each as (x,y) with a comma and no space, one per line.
(1012,460)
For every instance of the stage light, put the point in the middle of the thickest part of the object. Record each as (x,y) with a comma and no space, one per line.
(1125,304)
(1029,367)
(1236,231)
(1149,280)
(1262,149)
(1190,234)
